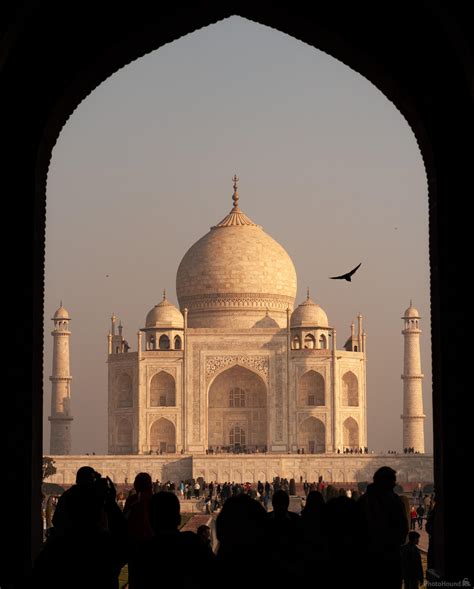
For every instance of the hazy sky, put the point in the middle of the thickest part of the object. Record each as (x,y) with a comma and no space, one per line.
(327,166)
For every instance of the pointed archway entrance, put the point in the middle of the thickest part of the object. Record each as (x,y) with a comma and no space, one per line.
(237,419)
(163,436)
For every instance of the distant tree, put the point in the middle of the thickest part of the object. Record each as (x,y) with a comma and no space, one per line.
(48,467)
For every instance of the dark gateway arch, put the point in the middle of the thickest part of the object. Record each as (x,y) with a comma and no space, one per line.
(52,55)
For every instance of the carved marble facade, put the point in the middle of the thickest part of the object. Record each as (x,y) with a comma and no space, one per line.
(236,367)
(229,390)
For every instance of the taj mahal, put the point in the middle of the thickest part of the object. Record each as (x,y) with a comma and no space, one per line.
(241,382)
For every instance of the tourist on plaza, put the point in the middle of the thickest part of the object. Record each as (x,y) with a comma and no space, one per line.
(406,505)
(412,569)
(430,528)
(420,511)
(204,534)
(137,515)
(387,529)
(170,554)
(346,533)
(49,512)
(284,533)
(413,517)
(89,536)
(142,483)
(315,552)
(188,488)
(427,504)
(88,482)
(243,552)
(197,489)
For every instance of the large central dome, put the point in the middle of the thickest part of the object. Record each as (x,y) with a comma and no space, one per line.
(234,274)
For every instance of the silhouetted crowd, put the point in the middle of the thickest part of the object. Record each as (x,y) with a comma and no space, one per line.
(346,541)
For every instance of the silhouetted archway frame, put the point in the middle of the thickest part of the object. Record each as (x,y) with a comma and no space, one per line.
(420,59)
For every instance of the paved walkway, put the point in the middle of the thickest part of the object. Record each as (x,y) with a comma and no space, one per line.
(423,544)
(197,520)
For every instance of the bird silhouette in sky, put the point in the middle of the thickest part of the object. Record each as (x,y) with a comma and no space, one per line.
(346,276)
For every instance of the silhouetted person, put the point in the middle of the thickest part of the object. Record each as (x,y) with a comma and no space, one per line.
(346,535)
(243,550)
(285,534)
(387,529)
(137,515)
(430,528)
(170,554)
(420,510)
(412,569)
(142,484)
(314,538)
(49,512)
(89,481)
(86,477)
(413,517)
(87,547)
(204,534)
(406,505)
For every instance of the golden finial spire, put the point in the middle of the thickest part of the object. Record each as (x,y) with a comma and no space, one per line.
(307,293)
(236,216)
(235,196)
(164,294)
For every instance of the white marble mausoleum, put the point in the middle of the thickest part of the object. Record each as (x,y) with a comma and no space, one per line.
(240,374)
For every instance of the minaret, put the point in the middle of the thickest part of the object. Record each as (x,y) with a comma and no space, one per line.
(60,441)
(116,344)
(413,433)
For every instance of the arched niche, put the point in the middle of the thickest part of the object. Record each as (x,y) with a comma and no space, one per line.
(350,390)
(124,436)
(163,436)
(350,433)
(162,390)
(237,398)
(312,436)
(311,389)
(124,397)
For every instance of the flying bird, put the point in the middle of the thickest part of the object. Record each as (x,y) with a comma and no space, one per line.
(346,276)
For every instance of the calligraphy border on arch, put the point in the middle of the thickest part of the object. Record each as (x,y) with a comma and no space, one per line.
(217,364)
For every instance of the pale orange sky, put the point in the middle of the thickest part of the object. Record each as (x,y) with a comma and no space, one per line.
(327,166)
